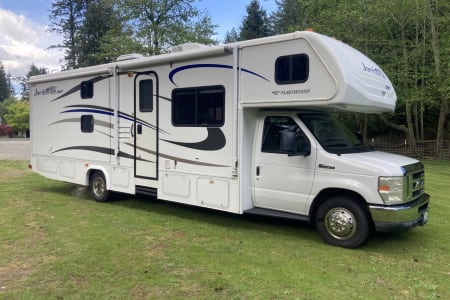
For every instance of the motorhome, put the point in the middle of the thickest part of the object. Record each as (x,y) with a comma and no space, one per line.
(245,128)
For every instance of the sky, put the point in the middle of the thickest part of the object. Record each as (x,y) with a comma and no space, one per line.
(25,39)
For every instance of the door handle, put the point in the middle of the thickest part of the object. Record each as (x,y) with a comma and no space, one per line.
(257,171)
(132,130)
(139,129)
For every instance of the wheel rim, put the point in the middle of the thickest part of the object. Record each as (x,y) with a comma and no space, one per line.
(99,187)
(340,223)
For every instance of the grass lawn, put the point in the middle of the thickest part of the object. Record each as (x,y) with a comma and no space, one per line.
(58,244)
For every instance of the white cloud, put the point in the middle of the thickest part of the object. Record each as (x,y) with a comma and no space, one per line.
(23,42)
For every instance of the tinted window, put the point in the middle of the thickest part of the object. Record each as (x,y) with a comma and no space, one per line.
(198,106)
(292,69)
(87,89)
(272,140)
(146,95)
(87,123)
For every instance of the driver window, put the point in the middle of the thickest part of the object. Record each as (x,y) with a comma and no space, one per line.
(273,126)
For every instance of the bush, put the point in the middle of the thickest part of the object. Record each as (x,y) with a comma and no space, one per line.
(6,130)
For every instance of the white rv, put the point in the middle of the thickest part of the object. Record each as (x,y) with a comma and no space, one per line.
(243,128)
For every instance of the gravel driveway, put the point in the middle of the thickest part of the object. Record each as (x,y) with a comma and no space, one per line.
(14,149)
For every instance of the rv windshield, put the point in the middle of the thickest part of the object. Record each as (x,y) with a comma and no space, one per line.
(331,134)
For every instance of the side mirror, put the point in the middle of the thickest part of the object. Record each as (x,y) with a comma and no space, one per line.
(294,144)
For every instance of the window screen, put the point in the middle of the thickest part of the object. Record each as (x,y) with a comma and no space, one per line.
(198,106)
(87,123)
(87,89)
(146,95)
(292,69)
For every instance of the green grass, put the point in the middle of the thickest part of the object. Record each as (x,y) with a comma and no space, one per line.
(55,244)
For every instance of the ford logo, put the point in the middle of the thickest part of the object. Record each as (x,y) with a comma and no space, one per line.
(418,184)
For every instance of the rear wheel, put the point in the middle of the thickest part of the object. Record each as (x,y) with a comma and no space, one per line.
(341,221)
(98,188)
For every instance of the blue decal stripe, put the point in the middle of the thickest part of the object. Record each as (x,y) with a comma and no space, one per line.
(89,110)
(253,73)
(182,68)
(219,66)
(109,112)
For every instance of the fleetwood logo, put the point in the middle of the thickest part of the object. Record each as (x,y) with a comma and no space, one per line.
(51,90)
(291,92)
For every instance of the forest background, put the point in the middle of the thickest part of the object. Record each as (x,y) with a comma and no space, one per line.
(409,39)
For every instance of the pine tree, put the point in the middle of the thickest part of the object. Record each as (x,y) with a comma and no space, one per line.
(256,23)
(66,19)
(5,86)
(33,71)
(83,25)
(99,17)
(290,16)
(231,36)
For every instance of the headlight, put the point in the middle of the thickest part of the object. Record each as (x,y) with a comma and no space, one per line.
(391,189)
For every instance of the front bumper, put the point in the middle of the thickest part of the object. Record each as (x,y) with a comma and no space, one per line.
(400,217)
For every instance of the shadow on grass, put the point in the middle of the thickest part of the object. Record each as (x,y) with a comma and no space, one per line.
(294,229)
(285,227)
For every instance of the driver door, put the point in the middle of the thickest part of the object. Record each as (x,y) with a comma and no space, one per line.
(281,181)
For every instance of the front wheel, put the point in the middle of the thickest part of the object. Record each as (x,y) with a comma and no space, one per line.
(98,188)
(341,221)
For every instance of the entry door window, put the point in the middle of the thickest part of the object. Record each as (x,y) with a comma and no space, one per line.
(146,95)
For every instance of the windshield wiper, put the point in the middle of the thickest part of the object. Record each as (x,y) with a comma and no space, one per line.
(363,148)
(337,145)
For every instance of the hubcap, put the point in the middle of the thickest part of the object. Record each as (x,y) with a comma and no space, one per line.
(340,223)
(99,187)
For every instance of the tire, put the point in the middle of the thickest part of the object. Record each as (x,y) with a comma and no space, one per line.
(97,187)
(341,221)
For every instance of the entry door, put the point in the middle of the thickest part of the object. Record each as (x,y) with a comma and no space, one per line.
(146,125)
(281,182)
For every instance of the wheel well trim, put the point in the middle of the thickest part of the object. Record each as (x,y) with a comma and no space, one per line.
(92,169)
(326,194)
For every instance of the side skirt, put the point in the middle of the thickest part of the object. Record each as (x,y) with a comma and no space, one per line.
(275,214)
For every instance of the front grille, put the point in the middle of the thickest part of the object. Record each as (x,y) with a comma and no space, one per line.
(415,179)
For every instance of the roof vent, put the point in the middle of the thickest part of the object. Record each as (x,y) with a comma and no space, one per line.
(129,56)
(187,47)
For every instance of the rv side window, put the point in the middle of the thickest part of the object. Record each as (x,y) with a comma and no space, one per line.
(87,89)
(292,69)
(198,106)
(146,95)
(87,123)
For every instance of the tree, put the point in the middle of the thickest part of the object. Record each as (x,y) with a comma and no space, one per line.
(33,71)
(4,108)
(99,18)
(18,116)
(290,16)
(231,36)
(256,23)
(66,19)
(118,41)
(83,25)
(162,24)
(5,86)
(439,26)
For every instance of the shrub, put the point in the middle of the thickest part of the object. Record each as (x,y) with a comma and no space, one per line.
(6,130)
